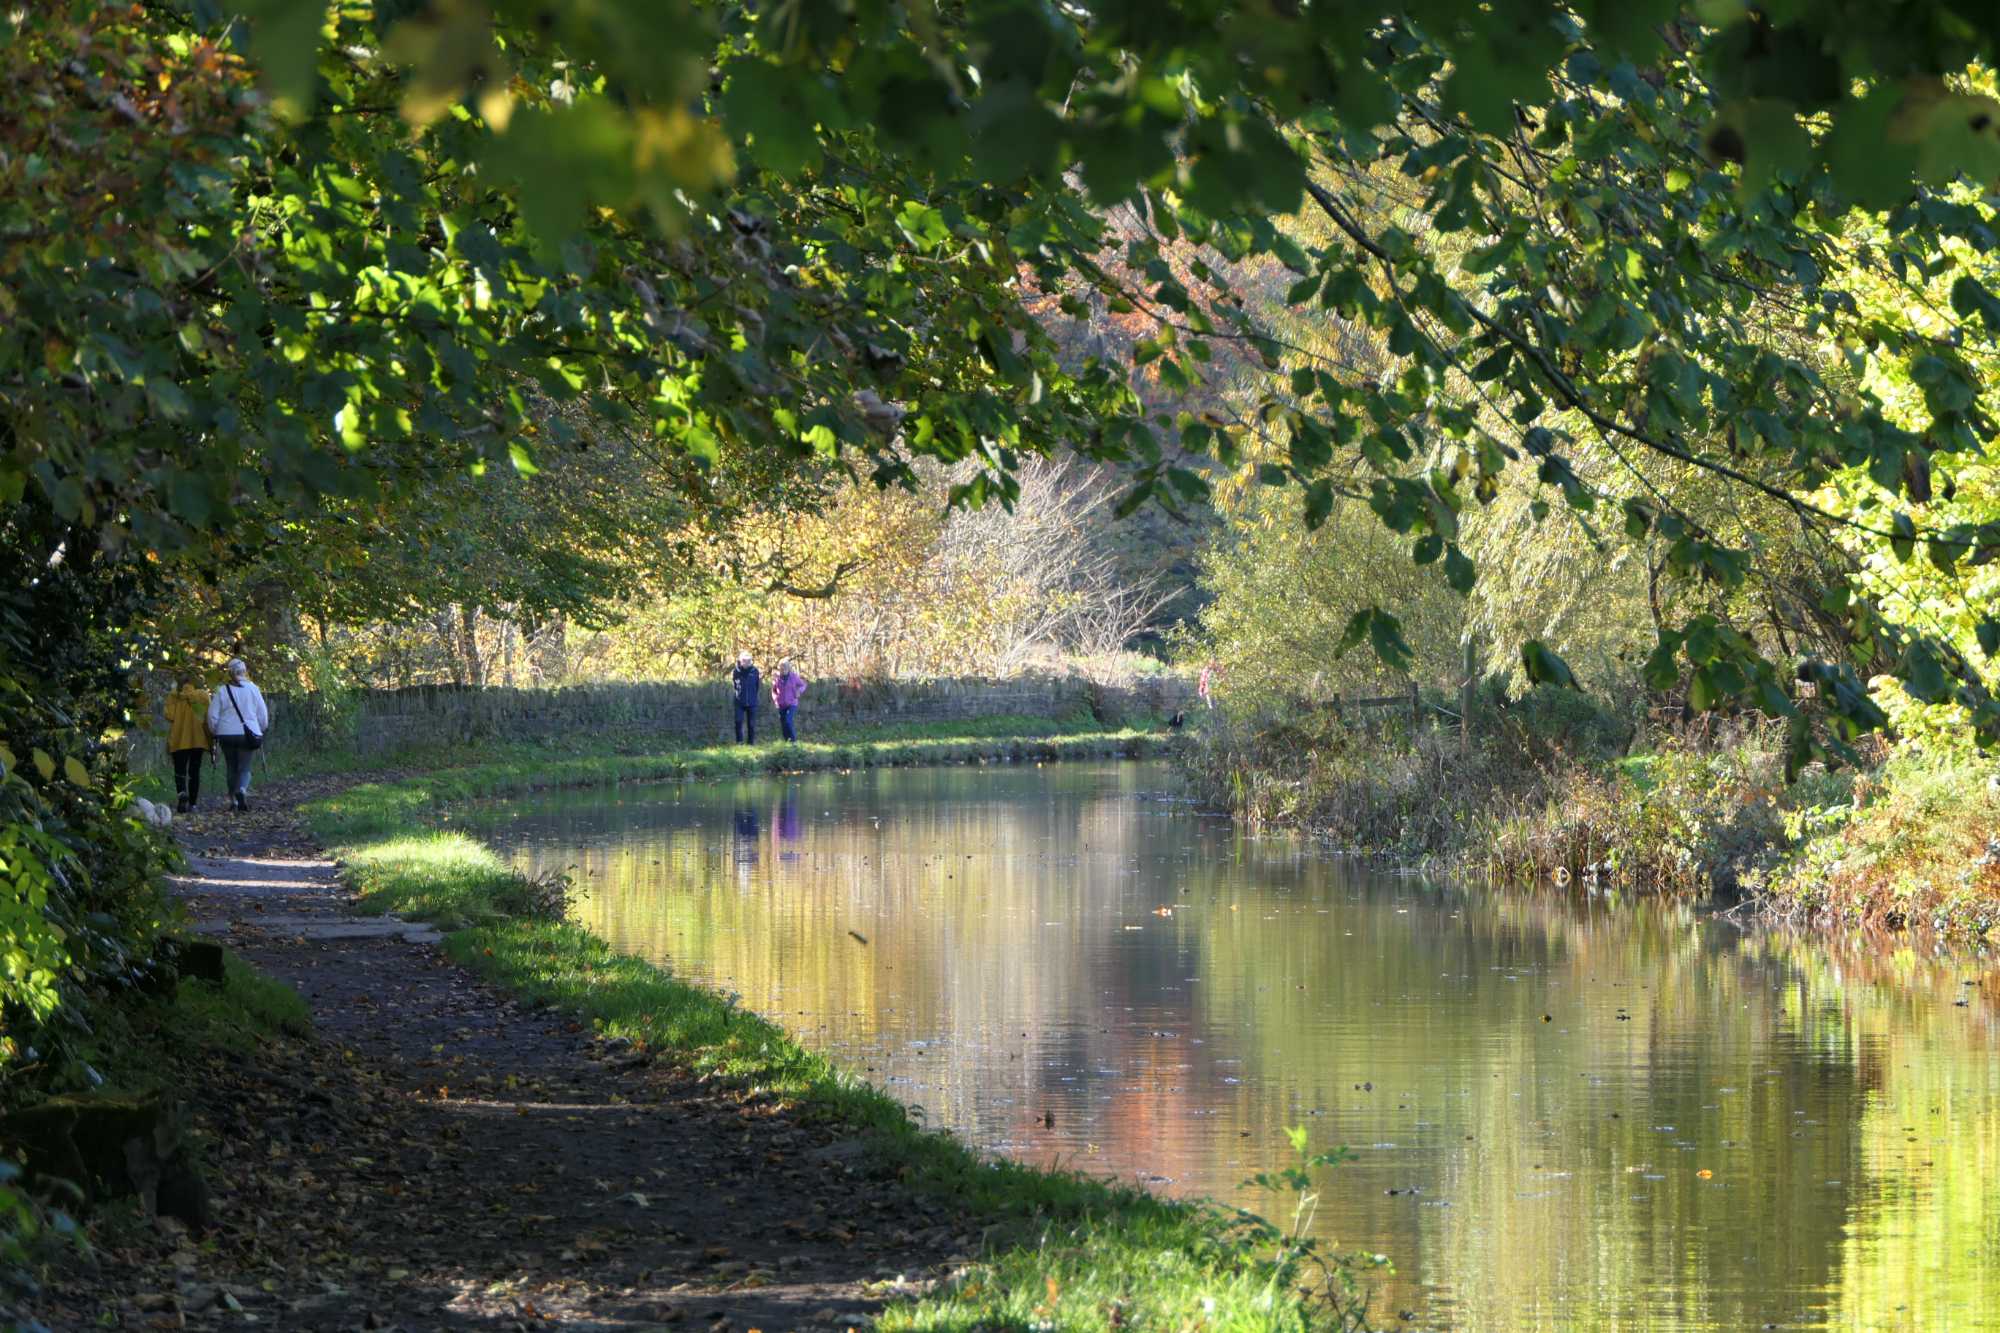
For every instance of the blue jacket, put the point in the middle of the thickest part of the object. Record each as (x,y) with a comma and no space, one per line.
(746,681)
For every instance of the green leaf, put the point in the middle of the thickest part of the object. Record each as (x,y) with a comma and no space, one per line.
(1356,631)
(1129,503)
(348,426)
(1459,572)
(1662,671)
(779,110)
(1969,297)
(1702,691)
(1544,667)
(1319,503)
(1904,542)
(922,225)
(1923,673)
(1385,635)
(1767,136)
(1866,165)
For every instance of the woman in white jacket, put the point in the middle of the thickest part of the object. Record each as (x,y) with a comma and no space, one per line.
(238,717)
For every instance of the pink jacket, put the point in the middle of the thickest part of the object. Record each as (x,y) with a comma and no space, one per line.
(785,691)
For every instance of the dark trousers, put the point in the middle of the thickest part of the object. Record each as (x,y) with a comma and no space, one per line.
(746,723)
(236,763)
(187,775)
(785,717)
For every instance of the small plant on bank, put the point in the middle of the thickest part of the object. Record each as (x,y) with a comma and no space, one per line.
(1290,1257)
(548,896)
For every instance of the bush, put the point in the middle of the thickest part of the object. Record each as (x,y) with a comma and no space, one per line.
(1915,842)
(1386,787)
(1678,821)
(1378,782)
(1550,724)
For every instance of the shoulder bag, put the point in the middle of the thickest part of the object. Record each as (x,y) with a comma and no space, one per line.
(251,740)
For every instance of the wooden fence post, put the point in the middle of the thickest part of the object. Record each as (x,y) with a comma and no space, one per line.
(1465,692)
(1416,705)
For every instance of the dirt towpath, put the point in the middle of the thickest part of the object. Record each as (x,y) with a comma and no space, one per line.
(439,1156)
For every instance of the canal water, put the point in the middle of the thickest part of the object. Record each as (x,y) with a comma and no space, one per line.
(1564,1114)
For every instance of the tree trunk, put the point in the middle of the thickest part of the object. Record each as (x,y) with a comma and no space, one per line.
(447,633)
(468,644)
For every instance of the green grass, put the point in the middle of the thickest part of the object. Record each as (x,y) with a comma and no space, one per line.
(130,1039)
(378,809)
(284,759)
(1067,1250)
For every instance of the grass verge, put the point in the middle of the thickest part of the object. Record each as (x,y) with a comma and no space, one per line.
(282,760)
(1068,1251)
(380,809)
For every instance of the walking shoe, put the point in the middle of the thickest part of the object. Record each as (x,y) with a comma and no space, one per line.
(181,806)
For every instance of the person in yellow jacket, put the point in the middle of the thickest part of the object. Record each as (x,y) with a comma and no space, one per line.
(188,739)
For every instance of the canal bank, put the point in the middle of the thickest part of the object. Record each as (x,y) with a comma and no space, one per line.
(1548,1083)
(1553,791)
(1529,1082)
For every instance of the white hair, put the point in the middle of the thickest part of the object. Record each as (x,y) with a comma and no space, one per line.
(237,668)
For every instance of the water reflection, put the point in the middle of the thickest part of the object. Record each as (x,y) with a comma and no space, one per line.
(1566,1116)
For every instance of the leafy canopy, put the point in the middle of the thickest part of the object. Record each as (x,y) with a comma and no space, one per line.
(804,231)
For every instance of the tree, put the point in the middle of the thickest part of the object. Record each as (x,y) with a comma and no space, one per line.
(798,237)
(1635,182)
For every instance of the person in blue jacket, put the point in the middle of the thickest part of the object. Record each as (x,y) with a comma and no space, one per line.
(747,682)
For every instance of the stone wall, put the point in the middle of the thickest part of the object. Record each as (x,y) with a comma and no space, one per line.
(692,713)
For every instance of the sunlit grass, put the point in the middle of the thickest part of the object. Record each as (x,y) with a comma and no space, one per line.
(381,808)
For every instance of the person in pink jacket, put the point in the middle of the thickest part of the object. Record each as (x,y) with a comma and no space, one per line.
(785,692)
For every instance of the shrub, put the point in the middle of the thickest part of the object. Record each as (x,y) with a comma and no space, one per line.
(1549,724)
(1678,821)
(1379,782)
(1915,842)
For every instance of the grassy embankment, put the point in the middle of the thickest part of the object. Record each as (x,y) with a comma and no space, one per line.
(511,770)
(1547,793)
(1069,1251)
(579,760)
